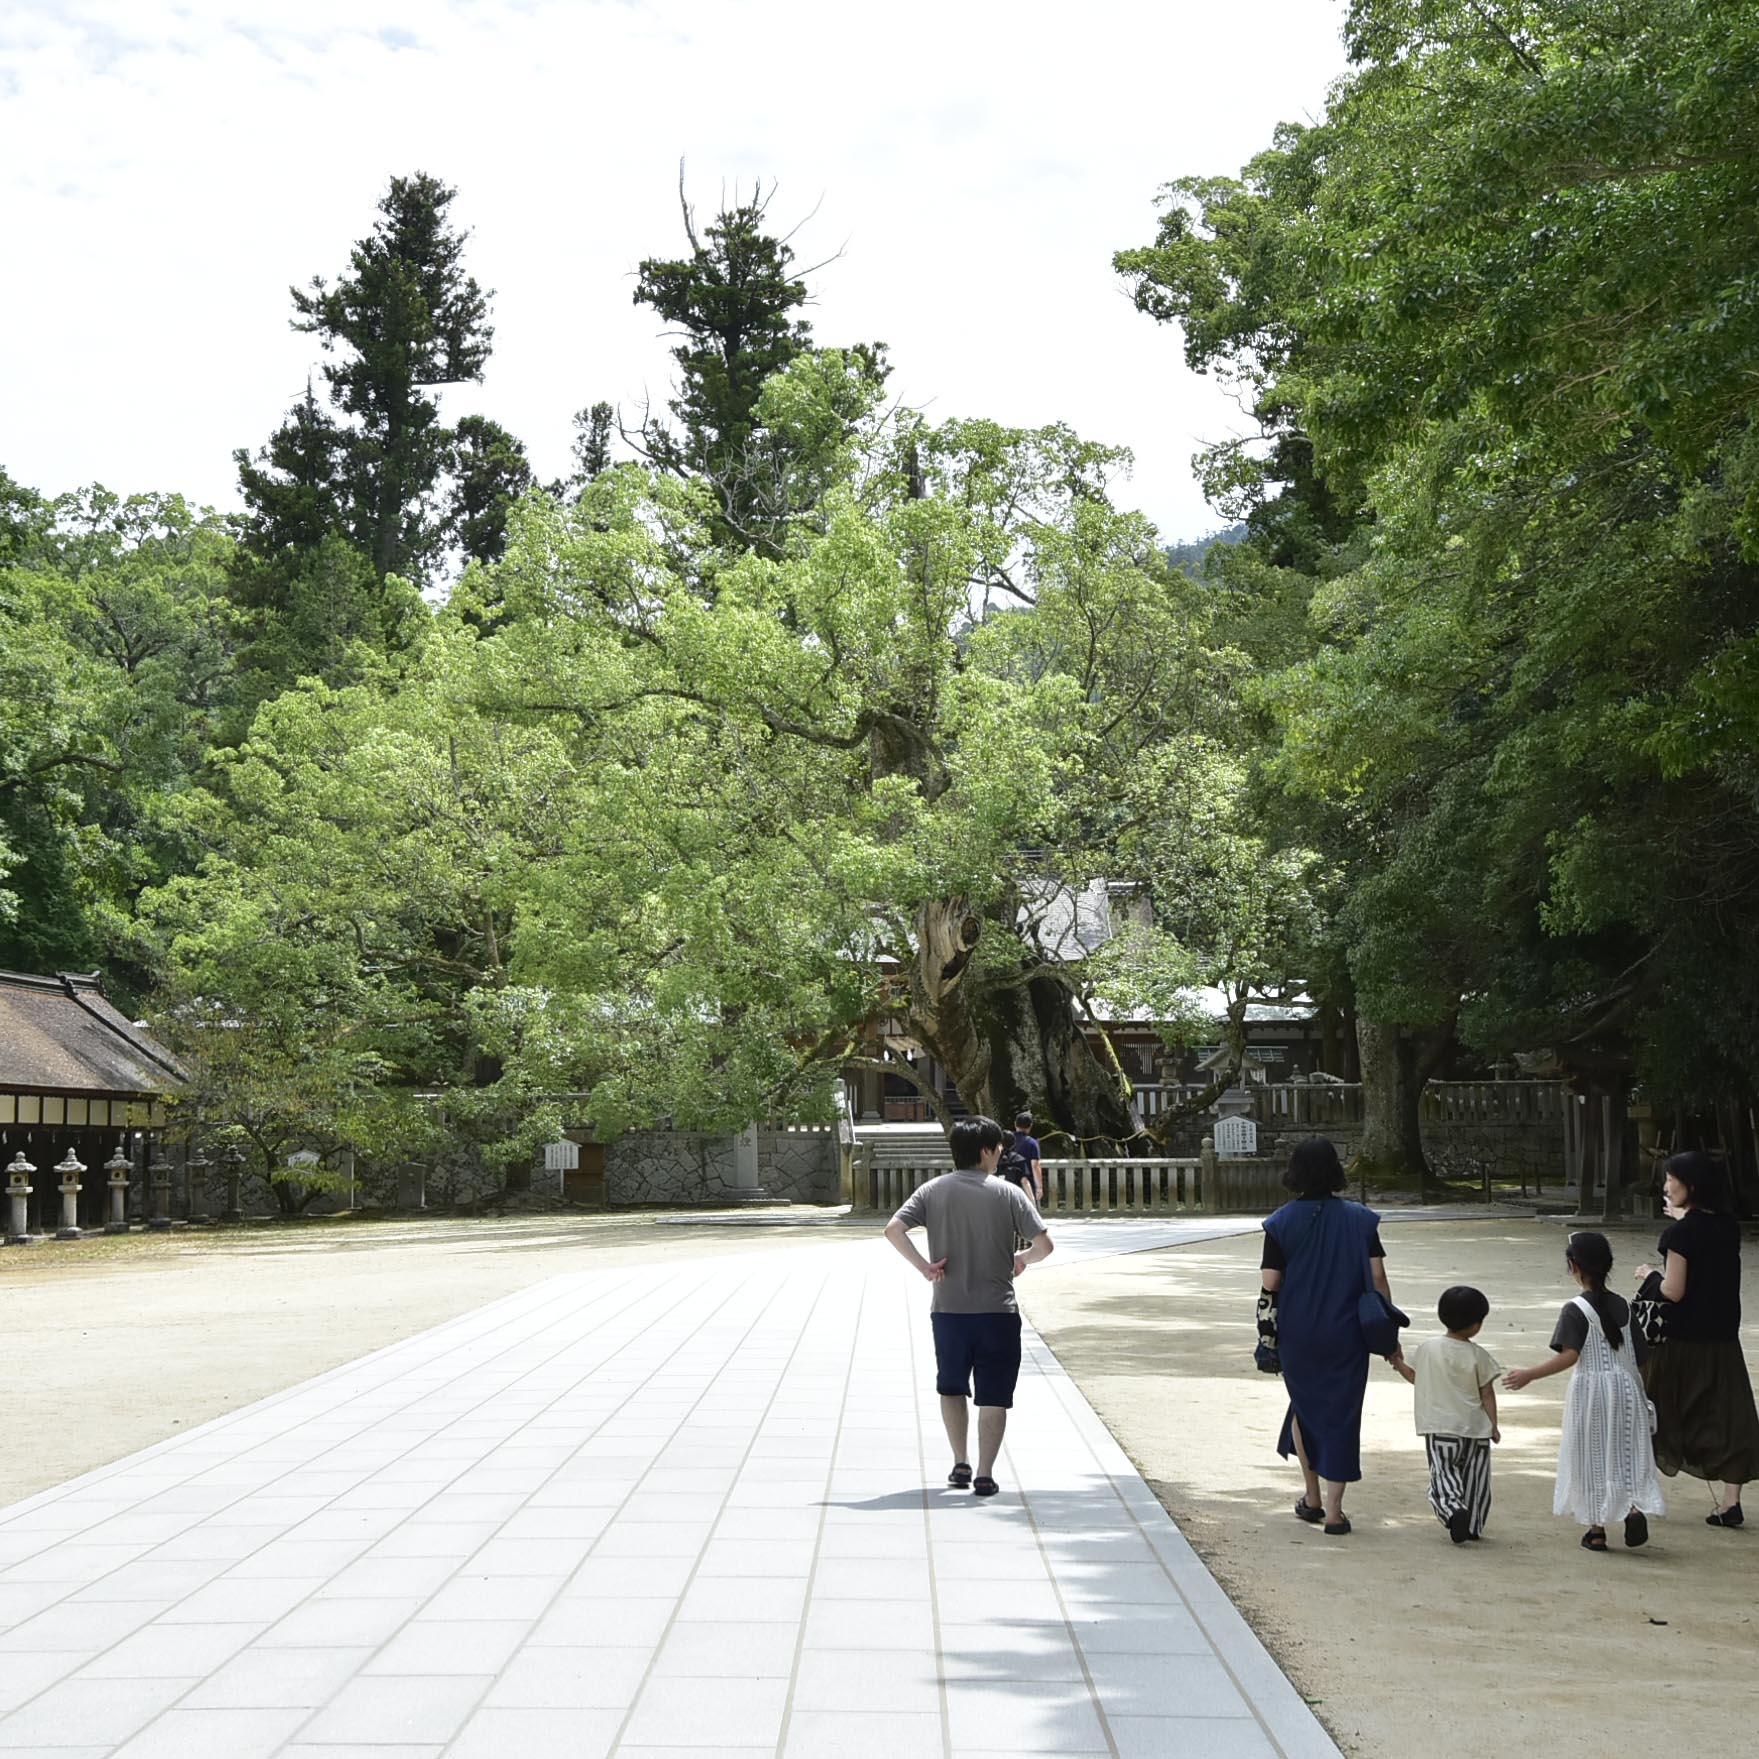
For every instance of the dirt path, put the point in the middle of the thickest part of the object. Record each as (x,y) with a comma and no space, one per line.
(114,1344)
(1406,1645)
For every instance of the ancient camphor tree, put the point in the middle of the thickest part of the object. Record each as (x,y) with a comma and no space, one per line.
(857,781)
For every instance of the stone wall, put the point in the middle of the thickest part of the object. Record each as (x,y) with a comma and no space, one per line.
(1458,1149)
(689,1167)
(800,1165)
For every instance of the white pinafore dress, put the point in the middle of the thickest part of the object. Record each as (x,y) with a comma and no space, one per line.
(1606,1465)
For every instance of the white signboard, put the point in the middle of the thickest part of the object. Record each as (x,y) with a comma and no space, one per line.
(1235,1137)
(561,1157)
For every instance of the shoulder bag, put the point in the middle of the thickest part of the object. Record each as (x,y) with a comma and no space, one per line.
(1379,1320)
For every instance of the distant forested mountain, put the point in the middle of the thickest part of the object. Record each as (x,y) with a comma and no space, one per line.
(1189,556)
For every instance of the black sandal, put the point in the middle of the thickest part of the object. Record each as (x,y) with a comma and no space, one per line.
(984,1487)
(1594,1539)
(1337,1529)
(960,1476)
(1305,1511)
(1636,1529)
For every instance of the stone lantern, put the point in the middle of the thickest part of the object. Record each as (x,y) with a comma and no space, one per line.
(120,1171)
(159,1184)
(70,1170)
(233,1159)
(196,1170)
(18,1191)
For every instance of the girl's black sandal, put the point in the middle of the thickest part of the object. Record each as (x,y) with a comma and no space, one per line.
(1305,1511)
(1594,1540)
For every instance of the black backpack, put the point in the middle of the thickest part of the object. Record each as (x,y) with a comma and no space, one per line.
(1012,1167)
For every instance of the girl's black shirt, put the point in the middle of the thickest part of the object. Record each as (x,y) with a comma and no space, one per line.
(1571,1331)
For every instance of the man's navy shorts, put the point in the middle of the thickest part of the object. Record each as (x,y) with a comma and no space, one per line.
(981,1345)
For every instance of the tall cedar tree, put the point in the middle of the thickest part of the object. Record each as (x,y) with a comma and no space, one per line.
(490,471)
(732,302)
(404,320)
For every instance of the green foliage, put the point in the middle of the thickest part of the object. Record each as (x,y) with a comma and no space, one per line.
(1498,315)
(732,301)
(115,645)
(490,472)
(402,321)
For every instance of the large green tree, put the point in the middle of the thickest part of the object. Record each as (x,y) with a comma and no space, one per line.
(116,646)
(1516,316)
(685,829)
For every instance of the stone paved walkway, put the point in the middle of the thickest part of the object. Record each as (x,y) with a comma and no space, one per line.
(653,1512)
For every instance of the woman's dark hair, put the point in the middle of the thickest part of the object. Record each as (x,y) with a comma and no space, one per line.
(1314,1169)
(1591,1254)
(1705,1182)
(1461,1306)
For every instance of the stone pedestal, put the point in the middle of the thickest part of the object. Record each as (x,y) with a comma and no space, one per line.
(234,1159)
(117,1166)
(70,1170)
(746,1188)
(18,1192)
(159,1188)
(195,1173)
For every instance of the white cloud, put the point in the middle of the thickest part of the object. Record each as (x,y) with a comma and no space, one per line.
(166,170)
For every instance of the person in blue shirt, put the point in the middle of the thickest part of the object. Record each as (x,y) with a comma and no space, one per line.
(1026,1146)
(1320,1253)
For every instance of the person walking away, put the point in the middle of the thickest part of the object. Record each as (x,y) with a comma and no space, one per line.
(1706,1424)
(1320,1253)
(972,1219)
(1026,1146)
(1605,1464)
(1455,1381)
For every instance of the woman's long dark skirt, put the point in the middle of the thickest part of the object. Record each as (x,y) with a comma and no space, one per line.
(1706,1423)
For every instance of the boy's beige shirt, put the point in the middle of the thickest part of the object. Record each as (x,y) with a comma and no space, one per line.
(1450,1372)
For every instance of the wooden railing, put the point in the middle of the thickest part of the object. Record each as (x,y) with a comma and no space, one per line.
(1204,1186)
(1292,1105)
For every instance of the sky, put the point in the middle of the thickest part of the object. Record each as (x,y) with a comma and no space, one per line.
(167,171)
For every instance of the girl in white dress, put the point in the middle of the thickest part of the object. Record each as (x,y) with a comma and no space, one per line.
(1606,1464)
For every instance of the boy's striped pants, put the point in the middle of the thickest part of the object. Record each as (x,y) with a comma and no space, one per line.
(1459,1478)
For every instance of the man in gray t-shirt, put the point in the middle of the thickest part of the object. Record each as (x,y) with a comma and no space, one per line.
(973,1219)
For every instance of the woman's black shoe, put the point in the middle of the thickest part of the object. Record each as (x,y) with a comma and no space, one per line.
(1729,1517)
(1305,1511)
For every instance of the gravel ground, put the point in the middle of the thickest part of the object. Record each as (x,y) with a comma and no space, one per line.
(1406,1644)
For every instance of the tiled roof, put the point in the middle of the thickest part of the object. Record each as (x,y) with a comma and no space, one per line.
(63,1033)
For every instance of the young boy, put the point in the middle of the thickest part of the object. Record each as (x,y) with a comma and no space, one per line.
(1456,1412)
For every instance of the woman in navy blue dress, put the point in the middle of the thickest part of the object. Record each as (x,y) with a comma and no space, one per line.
(1319,1251)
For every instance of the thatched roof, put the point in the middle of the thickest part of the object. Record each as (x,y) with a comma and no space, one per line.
(62,1034)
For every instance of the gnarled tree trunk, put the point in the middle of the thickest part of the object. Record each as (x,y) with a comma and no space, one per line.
(1010,1042)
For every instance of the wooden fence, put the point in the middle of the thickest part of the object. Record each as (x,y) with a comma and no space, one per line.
(1294,1105)
(1204,1186)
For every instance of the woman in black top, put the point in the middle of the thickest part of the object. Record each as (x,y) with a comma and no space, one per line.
(1706,1424)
